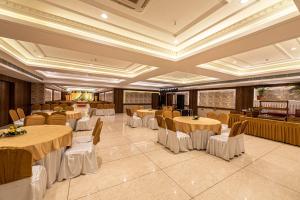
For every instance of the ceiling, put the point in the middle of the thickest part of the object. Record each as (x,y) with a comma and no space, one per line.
(150,44)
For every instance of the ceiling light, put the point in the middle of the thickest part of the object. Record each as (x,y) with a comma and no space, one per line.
(293,48)
(104,16)
(175,41)
(243,1)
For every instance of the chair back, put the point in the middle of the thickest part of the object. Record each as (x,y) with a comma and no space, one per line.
(176,113)
(57,119)
(57,108)
(243,127)
(97,125)
(170,124)
(93,105)
(36,107)
(13,115)
(212,115)
(160,121)
(69,108)
(235,129)
(92,113)
(21,113)
(223,118)
(167,114)
(34,120)
(52,106)
(158,113)
(63,105)
(59,113)
(96,138)
(46,107)
(130,112)
(167,108)
(43,114)
(15,164)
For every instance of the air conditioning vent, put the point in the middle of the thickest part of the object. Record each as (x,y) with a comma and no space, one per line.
(137,5)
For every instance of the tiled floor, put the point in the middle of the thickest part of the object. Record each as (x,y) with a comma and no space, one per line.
(135,167)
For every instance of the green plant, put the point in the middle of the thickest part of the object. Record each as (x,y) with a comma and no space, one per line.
(261,91)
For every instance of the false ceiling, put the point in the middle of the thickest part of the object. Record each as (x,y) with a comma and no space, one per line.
(150,43)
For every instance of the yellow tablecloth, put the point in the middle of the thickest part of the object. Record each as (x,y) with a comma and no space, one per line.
(188,125)
(143,112)
(73,115)
(69,114)
(40,140)
(281,131)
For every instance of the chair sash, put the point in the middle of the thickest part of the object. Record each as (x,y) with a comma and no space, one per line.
(235,129)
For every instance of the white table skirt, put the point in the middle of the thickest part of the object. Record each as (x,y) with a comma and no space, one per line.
(200,139)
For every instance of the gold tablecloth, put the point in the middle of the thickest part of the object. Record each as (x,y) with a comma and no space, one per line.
(69,114)
(143,112)
(40,140)
(73,115)
(281,131)
(188,125)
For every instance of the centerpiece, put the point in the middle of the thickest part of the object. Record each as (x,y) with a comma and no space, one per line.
(13,131)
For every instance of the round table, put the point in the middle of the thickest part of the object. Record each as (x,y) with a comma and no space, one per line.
(188,124)
(200,129)
(40,140)
(145,114)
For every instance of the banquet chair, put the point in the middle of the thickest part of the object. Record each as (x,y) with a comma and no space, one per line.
(19,179)
(100,109)
(57,119)
(168,114)
(212,115)
(135,121)
(223,118)
(111,109)
(177,141)
(152,122)
(36,108)
(15,118)
(84,123)
(57,108)
(21,113)
(87,138)
(223,146)
(176,113)
(80,158)
(162,130)
(52,106)
(34,120)
(63,105)
(69,108)
(46,115)
(240,136)
(45,107)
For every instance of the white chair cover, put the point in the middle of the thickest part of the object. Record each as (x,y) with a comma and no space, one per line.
(152,123)
(82,139)
(35,111)
(162,136)
(225,147)
(79,159)
(52,162)
(200,138)
(33,188)
(178,141)
(84,124)
(136,121)
(19,123)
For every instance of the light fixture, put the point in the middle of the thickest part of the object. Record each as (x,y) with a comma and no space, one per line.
(175,41)
(243,1)
(104,16)
(293,48)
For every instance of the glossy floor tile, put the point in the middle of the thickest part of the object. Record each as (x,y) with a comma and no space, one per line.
(135,166)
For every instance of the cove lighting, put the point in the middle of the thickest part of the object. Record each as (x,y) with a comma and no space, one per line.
(243,1)
(104,16)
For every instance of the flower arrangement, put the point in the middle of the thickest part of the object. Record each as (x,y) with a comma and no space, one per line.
(13,131)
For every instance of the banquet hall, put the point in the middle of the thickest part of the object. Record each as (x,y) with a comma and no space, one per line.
(150,100)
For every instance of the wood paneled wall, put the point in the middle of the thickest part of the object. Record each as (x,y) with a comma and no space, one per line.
(244,97)
(14,94)
(118,100)
(193,96)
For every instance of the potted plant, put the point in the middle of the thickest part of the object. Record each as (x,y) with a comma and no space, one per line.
(295,89)
(260,92)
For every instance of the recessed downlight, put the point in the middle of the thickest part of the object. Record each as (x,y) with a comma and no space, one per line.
(104,16)
(243,1)
(293,48)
